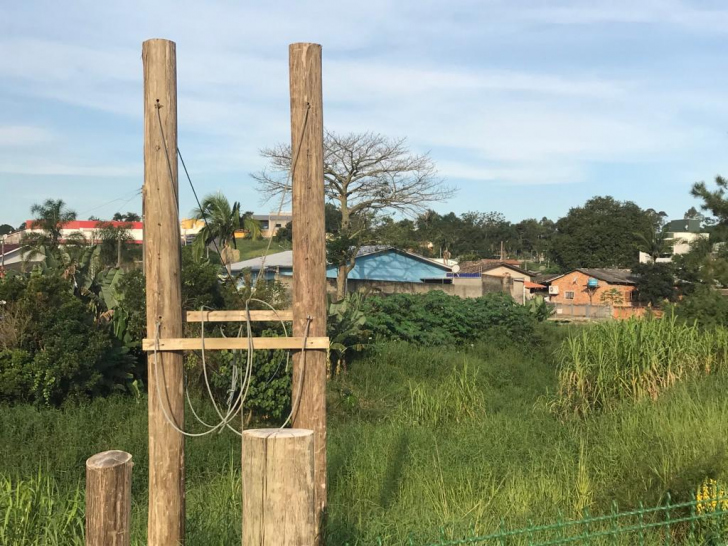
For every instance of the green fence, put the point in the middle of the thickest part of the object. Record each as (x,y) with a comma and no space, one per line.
(701,521)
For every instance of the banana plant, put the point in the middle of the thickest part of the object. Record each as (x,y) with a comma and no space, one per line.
(346,327)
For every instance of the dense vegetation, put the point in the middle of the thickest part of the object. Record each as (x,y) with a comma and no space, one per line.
(434,318)
(447,416)
(52,349)
(419,440)
(610,362)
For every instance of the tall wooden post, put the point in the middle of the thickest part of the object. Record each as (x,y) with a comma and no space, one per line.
(278,492)
(164,300)
(108,499)
(309,251)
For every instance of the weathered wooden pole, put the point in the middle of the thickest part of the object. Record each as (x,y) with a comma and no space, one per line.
(164,300)
(278,493)
(108,499)
(309,252)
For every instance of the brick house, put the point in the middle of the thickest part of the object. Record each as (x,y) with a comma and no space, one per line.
(574,288)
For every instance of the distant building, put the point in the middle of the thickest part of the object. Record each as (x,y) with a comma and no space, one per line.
(90,229)
(593,293)
(18,260)
(376,263)
(586,286)
(681,234)
(271,223)
(518,281)
(189,228)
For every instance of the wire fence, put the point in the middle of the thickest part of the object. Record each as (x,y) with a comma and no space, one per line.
(701,521)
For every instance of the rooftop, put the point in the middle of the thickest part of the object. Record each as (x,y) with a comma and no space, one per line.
(686,225)
(611,276)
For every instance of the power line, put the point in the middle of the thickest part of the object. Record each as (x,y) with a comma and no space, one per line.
(97,207)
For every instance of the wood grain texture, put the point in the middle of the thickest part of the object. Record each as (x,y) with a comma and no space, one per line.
(108,499)
(278,491)
(309,249)
(240,316)
(163,291)
(229,343)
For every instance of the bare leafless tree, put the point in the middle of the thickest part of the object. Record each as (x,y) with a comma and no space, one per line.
(365,174)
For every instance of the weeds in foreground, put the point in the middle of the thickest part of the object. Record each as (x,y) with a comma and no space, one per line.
(35,513)
(422,444)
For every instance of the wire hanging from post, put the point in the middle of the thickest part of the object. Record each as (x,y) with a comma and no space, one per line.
(236,407)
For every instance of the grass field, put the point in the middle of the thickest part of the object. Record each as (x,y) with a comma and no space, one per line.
(420,441)
(252,249)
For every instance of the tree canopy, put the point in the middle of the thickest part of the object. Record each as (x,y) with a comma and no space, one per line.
(602,233)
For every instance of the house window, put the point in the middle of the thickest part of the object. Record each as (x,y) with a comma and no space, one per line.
(569,295)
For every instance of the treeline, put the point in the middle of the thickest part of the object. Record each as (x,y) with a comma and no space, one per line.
(604,232)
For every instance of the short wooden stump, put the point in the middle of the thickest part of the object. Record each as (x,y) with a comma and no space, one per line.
(108,499)
(278,489)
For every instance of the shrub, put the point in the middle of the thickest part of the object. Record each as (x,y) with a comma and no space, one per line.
(655,283)
(704,306)
(269,393)
(60,352)
(436,318)
(633,359)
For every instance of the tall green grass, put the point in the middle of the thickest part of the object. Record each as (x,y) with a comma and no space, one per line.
(33,512)
(634,359)
(422,442)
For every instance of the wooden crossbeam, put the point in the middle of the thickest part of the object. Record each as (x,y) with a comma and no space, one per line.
(240,316)
(223,343)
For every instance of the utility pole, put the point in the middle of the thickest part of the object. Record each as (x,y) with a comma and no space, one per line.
(309,253)
(164,294)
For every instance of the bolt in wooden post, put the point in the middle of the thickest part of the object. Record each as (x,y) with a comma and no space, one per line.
(278,491)
(164,299)
(108,499)
(309,251)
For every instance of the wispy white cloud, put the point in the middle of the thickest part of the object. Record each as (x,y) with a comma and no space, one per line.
(23,135)
(49,168)
(676,13)
(490,87)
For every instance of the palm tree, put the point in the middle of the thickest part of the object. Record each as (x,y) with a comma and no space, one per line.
(114,243)
(128,217)
(251,226)
(221,223)
(50,218)
(654,243)
(44,236)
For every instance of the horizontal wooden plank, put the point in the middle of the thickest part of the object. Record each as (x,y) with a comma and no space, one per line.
(240,316)
(222,343)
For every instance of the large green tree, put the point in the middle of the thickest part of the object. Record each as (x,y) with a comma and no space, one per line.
(705,266)
(533,238)
(602,233)
(655,283)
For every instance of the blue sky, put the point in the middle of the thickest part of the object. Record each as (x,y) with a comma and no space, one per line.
(529,107)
